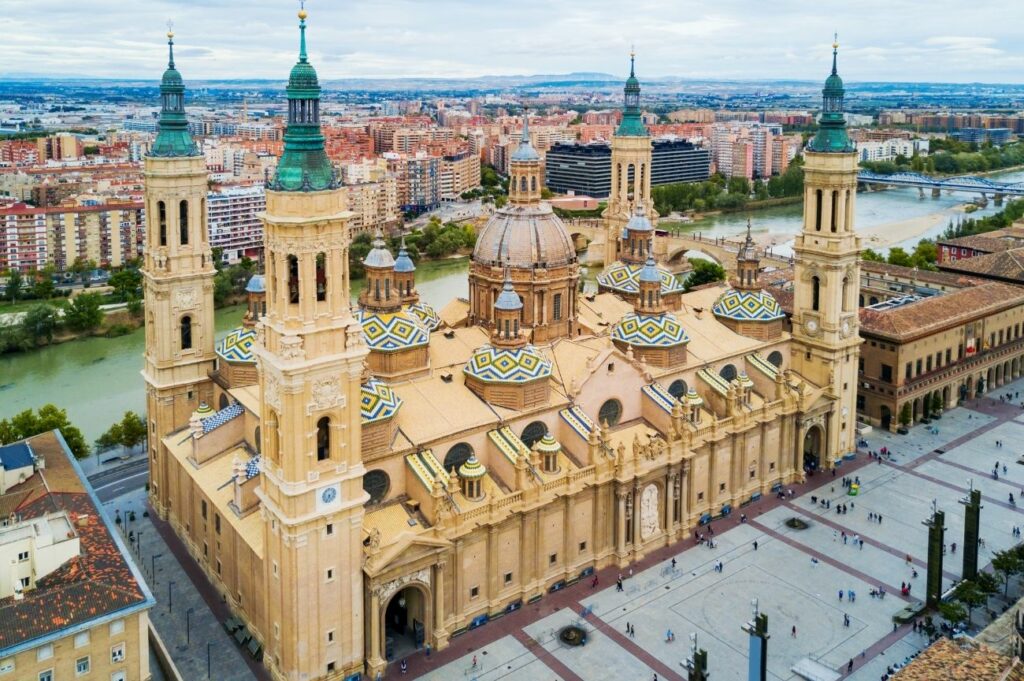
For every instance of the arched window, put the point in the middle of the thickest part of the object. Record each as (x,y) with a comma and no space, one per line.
(678,388)
(257,442)
(728,372)
(533,433)
(846,297)
(223,402)
(183,222)
(522,183)
(456,456)
(323,439)
(835,209)
(817,211)
(161,211)
(775,358)
(321,277)
(293,279)
(376,483)
(873,301)
(815,293)
(533,183)
(186,333)
(610,412)
(860,301)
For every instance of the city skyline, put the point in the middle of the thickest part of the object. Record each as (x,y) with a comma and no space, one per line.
(895,42)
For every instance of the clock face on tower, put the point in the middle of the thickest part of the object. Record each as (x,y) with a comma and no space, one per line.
(811,325)
(327,496)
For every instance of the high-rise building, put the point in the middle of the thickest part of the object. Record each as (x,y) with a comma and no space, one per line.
(233,221)
(419,180)
(459,173)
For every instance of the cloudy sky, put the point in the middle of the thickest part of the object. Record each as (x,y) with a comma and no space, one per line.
(890,40)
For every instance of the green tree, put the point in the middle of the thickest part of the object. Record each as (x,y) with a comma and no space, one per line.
(48,417)
(905,415)
(971,595)
(953,612)
(873,256)
(1007,564)
(898,256)
(133,430)
(39,322)
(43,288)
(83,313)
(12,291)
(126,284)
(936,403)
(110,439)
(704,272)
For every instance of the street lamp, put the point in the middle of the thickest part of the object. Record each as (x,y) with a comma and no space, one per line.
(170,596)
(208,647)
(152,565)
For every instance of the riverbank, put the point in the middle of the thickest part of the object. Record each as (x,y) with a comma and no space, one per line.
(893,233)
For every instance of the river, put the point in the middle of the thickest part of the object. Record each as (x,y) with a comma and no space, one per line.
(97,379)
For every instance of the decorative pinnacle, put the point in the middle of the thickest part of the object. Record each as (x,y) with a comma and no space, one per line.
(526,125)
(632,59)
(170,44)
(302,30)
(835,50)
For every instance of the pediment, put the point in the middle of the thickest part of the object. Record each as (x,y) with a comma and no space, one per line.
(408,549)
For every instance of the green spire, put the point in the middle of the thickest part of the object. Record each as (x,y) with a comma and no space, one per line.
(831,136)
(172,129)
(631,125)
(304,165)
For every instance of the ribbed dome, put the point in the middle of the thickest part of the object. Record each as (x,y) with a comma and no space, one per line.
(303,77)
(639,222)
(257,284)
(508,299)
(172,78)
(379,255)
(524,237)
(403,263)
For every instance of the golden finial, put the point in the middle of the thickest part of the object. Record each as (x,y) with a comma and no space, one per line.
(835,41)
(302,10)
(170,29)
(632,51)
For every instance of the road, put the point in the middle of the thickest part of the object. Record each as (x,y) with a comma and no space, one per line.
(113,483)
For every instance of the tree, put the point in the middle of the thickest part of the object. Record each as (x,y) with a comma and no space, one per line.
(43,288)
(905,414)
(936,403)
(970,594)
(873,256)
(48,417)
(953,612)
(133,430)
(126,284)
(83,313)
(39,322)
(1007,564)
(704,272)
(12,291)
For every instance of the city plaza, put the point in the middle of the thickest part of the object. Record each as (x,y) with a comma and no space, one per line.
(795,575)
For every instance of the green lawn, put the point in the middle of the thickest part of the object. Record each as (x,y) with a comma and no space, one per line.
(7,306)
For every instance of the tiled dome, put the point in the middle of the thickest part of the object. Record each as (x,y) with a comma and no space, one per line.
(524,237)
(622,277)
(743,306)
(507,365)
(652,331)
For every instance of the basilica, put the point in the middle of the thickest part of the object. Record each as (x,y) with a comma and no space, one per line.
(361,479)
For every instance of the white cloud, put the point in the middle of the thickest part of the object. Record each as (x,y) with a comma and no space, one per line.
(881,39)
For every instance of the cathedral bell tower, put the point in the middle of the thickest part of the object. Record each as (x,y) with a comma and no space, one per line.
(178,276)
(631,169)
(310,355)
(825,317)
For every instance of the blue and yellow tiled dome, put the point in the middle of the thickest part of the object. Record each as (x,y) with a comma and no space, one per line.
(747,306)
(652,331)
(378,401)
(236,347)
(507,365)
(622,277)
(426,314)
(392,331)
(472,469)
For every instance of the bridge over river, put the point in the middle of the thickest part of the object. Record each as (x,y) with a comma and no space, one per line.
(671,249)
(960,183)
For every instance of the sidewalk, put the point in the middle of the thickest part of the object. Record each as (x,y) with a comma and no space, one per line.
(204,645)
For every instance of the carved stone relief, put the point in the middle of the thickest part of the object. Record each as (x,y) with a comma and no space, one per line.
(649,512)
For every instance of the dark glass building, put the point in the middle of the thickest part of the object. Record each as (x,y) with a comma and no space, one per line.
(587,168)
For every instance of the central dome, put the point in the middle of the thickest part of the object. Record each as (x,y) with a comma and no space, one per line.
(524,237)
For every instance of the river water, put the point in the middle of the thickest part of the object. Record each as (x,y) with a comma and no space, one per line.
(97,379)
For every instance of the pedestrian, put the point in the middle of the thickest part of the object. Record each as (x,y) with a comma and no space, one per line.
(632,632)
(849,666)
(428,651)
(405,666)
(793,631)
(627,627)
(673,563)
(618,584)
(474,662)
(755,545)
(631,571)
(879,519)
(840,595)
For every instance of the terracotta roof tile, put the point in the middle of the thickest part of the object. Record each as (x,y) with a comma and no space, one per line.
(96,583)
(1004,265)
(961,660)
(937,312)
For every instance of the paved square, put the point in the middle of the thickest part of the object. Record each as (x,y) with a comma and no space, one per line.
(796,575)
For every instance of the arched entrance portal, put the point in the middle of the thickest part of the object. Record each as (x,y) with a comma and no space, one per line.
(813,440)
(405,623)
(886,417)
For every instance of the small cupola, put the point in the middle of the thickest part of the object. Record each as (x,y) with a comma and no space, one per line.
(380,294)
(471,475)
(405,276)
(748,265)
(508,309)
(638,237)
(649,302)
(549,449)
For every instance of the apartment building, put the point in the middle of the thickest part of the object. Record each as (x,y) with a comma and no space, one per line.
(375,204)
(418,177)
(233,221)
(459,173)
(73,602)
(32,238)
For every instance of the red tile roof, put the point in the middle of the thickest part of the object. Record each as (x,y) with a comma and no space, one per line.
(98,582)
